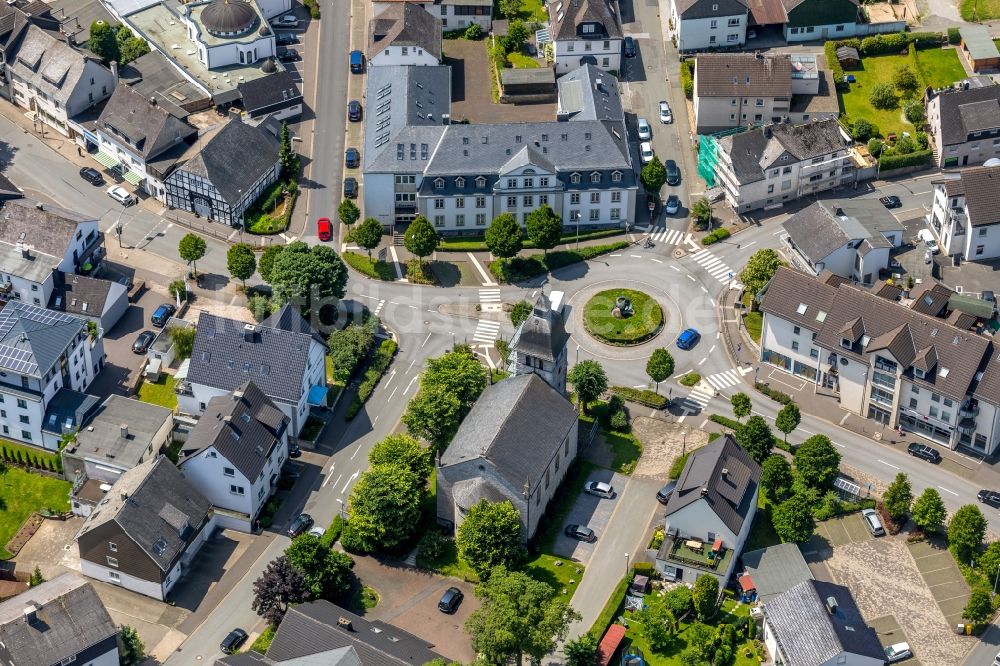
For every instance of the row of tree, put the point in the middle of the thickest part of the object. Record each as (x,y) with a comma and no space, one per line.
(449,386)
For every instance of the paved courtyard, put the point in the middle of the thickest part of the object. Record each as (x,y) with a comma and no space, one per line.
(594,512)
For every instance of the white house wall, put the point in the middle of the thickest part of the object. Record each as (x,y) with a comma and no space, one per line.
(707,33)
(402,55)
(103,573)
(606,52)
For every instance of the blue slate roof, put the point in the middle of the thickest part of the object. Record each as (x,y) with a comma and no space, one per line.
(33,338)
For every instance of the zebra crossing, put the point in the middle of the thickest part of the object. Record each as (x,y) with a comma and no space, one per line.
(486,332)
(661,234)
(698,399)
(489,296)
(721,380)
(714,266)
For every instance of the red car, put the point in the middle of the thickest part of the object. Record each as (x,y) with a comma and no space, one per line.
(324,229)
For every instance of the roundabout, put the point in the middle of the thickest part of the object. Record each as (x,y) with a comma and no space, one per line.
(622,317)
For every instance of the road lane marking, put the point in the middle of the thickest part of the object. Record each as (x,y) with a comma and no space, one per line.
(409,385)
(691,277)
(946,490)
(656,260)
(389,399)
(675,268)
(636,256)
(889,464)
(424,343)
(702,360)
(704,289)
(712,349)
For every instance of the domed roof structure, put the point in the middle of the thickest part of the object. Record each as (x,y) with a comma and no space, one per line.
(269,67)
(228,17)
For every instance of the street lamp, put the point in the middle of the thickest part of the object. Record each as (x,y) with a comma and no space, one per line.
(578,353)
(343,510)
(626,565)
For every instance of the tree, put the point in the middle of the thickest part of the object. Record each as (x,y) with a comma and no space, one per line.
(519,616)
(875,146)
(741,405)
(369,234)
(279,586)
(347,347)
(348,212)
(904,80)
(914,111)
(327,572)
(385,508)
(660,366)
(491,536)
(404,451)
(658,625)
(979,608)
(776,477)
(130,47)
(760,268)
(793,519)
(311,271)
(581,651)
(511,8)
(817,461)
(705,596)
(519,312)
(192,248)
(653,175)
(287,158)
(701,645)
(241,262)
(103,42)
(36,577)
(898,497)
(420,238)
(460,372)
(589,382)
(862,130)
(182,337)
(989,560)
(701,211)
(966,531)
(755,436)
(434,414)
(504,237)
(266,261)
(517,35)
(788,419)
(928,511)
(130,648)
(883,96)
(678,600)
(544,228)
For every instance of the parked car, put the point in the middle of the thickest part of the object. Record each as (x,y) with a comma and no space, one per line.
(92,176)
(666,115)
(643,130)
(872,522)
(232,642)
(996,660)
(142,342)
(352,158)
(354,111)
(664,493)
(302,522)
(289,55)
(121,195)
(351,187)
(294,451)
(927,237)
(673,204)
(162,314)
(317,531)
(285,38)
(990,497)
(580,533)
(646,152)
(599,489)
(357,62)
(450,600)
(628,47)
(897,652)
(324,230)
(673,172)
(890,202)
(286,21)
(688,338)
(928,453)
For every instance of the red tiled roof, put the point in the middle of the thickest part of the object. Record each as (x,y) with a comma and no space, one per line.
(609,644)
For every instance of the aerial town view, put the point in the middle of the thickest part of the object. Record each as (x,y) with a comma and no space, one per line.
(499,332)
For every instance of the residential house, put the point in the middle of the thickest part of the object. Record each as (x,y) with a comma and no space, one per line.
(146,531)
(275,96)
(100,301)
(585,32)
(767,166)
(487,458)
(60,621)
(404,34)
(810,20)
(965,215)
(709,514)
(225,173)
(709,24)
(885,360)
(816,623)
(141,139)
(539,345)
(284,363)
(319,632)
(234,454)
(452,14)
(772,571)
(38,242)
(964,123)
(851,238)
(42,353)
(53,80)
(120,434)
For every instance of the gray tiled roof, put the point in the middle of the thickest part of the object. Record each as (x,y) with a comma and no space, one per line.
(567,15)
(101,437)
(517,424)
(953,118)
(151,128)
(32,339)
(235,158)
(275,359)
(287,318)
(776,569)
(67,410)
(156,507)
(70,618)
(823,227)
(244,427)
(82,295)
(581,97)
(743,75)
(699,9)
(731,495)
(542,334)
(48,64)
(268,91)
(930,298)
(42,227)
(809,635)
(404,24)
(981,187)
(988,378)
(798,299)
(753,152)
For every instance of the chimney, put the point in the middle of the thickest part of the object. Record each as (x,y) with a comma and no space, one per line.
(704,491)
(31,612)
(237,395)
(124,430)
(445,118)
(25,250)
(124,495)
(249,332)
(114,71)
(68,38)
(767,132)
(831,605)
(152,101)
(725,472)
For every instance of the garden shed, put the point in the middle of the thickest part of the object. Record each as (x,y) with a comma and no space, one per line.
(978,47)
(535,85)
(848,57)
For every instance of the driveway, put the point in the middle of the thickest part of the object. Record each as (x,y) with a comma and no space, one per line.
(594,512)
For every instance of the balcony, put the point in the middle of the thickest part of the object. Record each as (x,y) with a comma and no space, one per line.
(695,553)
(969,409)
(966,426)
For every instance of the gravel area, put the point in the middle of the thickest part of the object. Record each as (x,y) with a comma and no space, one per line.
(662,441)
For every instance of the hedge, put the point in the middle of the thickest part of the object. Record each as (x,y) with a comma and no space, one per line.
(611,607)
(687,77)
(333,531)
(372,375)
(524,268)
(777,396)
(954,36)
(477,244)
(727,422)
(643,397)
(677,466)
(916,158)
(830,48)
(380,270)
(713,237)
(29,457)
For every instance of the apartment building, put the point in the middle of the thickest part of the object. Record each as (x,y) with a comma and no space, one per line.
(709,24)
(964,122)
(451,14)
(965,215)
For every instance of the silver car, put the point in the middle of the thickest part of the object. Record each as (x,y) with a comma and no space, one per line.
(643,129)
(666,115)
(599,489)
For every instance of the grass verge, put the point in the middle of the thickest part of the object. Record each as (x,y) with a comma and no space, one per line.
(753,322)
(22,492)
(380,270)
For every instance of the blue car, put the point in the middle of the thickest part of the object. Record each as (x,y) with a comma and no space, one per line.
(162,314)
(688,339)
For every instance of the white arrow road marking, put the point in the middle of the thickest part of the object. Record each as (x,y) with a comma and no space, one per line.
(349,481)
(409,385)
(329,475)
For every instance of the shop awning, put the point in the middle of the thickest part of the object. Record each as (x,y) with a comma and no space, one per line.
(133,177)
(106,160)
(317,396)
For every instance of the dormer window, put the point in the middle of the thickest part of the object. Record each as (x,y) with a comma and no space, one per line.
(919,373)
(574,178)
(616,176)
(595,177)
(439,183)
(480,181)
(459,182)
(845,343)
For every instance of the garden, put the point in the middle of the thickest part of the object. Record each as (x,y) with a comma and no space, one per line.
(160,392)
(21,493)
(622,317)
(272,211)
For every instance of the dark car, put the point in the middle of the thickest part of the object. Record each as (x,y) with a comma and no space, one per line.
(673,172)
(92,176)
(351,188)
(580,533)
(294,451)
(990,497)
(664,493)
(233,641)
(354,111)
(687,339)
(285,38)
(673,204)
(890,202)
(357,62)
(143,341)
(928,453)
(450,600)
(289,55)
(352,158)
(162,314)
(629,47)
(302,522)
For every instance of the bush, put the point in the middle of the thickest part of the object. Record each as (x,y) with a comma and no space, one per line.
(883,96)
(677,466)
(863,130)
(687,77)
(519,269)
(715,236)
(432,546)
(916,158)
(883,44)
(619,421)
(644,397)
(735,426)
(372,375)
(923,142)
(928,40)
(914,111)
(178,288)
(333,531)
(313,7)
(690,379)
(473,32)
(777,396)
(830,49)
(954,36)
(874,146)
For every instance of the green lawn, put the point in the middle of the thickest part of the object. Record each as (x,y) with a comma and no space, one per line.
(21,493)
(521,61)
(560,573)
(979,10)
(940,67)
(534,10)
(601,322)
(159,393)
(626,449)
(753,322)
(762,532)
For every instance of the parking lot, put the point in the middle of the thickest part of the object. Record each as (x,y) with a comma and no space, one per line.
(594,512)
